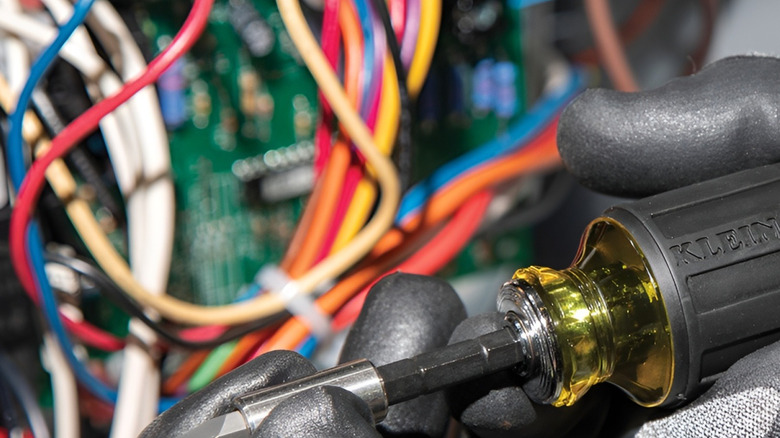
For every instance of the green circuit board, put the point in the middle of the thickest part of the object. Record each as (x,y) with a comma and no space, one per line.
(242,110)
(248,102)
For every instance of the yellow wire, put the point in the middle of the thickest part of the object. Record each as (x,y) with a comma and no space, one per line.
(365,193)
(430,18)
(386,128)
(389,109)
(359,208)
(171,308)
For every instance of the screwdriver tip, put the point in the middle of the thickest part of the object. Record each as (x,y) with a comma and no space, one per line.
(230,425)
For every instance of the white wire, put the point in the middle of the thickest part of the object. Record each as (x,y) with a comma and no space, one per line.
(138,147)
(151,231)
(125,165)
(16,56)
(159,228)
(64,390)
(63,383)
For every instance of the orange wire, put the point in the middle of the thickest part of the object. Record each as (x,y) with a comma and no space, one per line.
(246,344)
(313,234)
(543,154)
(299,237)
(185,371)
(332,181)
(314,222)
(352,38)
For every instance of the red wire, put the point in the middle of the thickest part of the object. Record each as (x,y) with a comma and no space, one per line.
(398,17)
(93,336)
(330,46)
(432,257)
(81,127)
(351,180)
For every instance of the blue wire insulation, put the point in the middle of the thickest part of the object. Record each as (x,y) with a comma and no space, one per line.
(516,136)
(17,169)
(520,4)
(366,23)
(307,347)
(16,165)
(51,312)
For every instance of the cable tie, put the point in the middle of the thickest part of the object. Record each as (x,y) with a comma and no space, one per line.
(301,305)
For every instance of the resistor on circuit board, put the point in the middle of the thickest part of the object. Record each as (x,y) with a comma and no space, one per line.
(248,83)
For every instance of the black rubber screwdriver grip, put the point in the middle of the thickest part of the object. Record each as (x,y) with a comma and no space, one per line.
(714,250)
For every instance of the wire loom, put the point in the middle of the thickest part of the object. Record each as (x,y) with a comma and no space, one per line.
(359,242)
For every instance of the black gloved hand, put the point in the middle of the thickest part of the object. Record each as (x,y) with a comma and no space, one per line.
(404,315)
(745,401)
(716,122)
(496,406)
(216,398)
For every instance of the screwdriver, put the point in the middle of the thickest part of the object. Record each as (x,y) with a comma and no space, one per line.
(380,386)
(665,293)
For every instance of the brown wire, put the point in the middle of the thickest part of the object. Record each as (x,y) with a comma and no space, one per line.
(709,9)
(608,45)
(642,17)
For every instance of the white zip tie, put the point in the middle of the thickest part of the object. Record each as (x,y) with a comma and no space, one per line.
(301,305)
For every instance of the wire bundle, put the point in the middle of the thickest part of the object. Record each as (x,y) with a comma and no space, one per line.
(370,63)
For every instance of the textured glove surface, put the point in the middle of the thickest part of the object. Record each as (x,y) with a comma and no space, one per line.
(496,406)
(744,402)
(718,121)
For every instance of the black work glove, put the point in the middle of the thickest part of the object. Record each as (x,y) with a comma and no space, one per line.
(713,123)
(404,315)
(496,406)
(745,401)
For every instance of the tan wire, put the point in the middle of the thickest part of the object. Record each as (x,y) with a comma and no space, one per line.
(174,309)
(608,45)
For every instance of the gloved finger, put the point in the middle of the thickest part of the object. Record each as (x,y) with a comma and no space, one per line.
(405,315)
(745,401)
(216,398)
(322,412)
(718,121)
(496,406)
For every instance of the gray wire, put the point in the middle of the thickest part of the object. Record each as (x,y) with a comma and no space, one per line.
(24,395)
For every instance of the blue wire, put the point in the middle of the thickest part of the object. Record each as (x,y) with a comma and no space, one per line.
(95,386)
(364,14)
(307,347)
(16,164)
(18,170)
(520,4)
(523,131)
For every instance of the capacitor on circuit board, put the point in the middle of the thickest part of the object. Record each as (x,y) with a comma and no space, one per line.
(504,75)
(482,89)
(173,100)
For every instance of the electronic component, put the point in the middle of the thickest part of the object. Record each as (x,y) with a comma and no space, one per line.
(277,175)
(171,91)
(252,28)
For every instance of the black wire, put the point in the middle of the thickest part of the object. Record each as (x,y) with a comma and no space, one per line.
(555,191)
(8,413)
(404,155)
(24,395)
(78,157)
(107,287)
